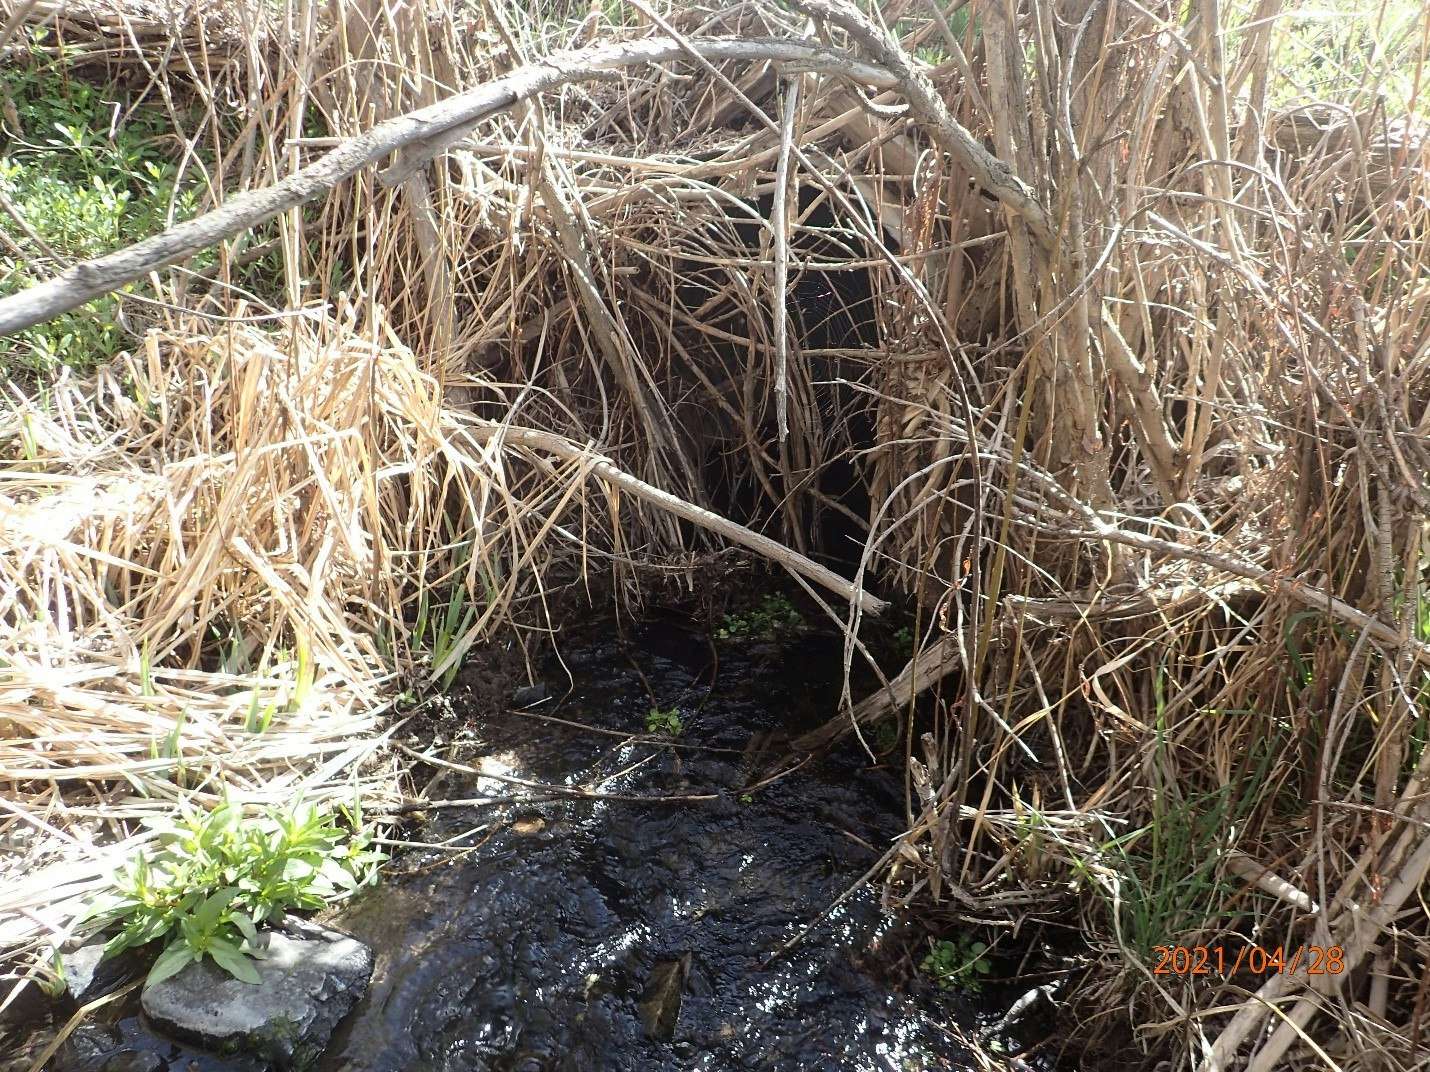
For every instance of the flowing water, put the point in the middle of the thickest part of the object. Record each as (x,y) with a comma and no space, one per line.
(608,931)
(615,934)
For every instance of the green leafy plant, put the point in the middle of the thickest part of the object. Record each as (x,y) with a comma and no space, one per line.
(901,642)
(959,963)
(774,619)
(87,170)
(664,722)
(213,877)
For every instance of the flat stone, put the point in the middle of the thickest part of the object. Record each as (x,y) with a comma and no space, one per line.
(89,975)
(659,1006)
(310,981)
(529,695)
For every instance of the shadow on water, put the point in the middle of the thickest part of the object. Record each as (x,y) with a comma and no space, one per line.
(610,934)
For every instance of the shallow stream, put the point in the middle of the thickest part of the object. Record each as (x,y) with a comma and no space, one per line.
(596,928)
(616,934)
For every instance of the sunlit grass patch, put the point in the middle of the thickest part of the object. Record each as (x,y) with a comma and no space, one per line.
(1340,50)
(87,169)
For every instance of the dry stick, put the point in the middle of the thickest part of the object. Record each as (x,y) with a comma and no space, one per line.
(859,884)
(932,664)
(95,278)
(613,339)
(779,221)
(993,174)
(604,468)
(1313,597)
(1150,427)
(1366,926)
(936,662)
(429,251)
(1356,937)
(554,791)
(14,22)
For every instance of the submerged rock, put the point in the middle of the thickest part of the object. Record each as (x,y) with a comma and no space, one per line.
(87,1043)
(309,983)
(660,1004)
(530,695)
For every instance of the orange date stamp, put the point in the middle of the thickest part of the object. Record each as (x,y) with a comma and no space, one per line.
(1259,960)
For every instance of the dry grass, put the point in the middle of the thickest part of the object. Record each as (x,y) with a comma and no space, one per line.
(1153,482)
(210,553)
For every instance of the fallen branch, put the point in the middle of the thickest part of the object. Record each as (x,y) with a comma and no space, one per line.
(937,661)
(1359,929)
(930,665)
(604,468)
(1095,528)
(430,126)
(994,175)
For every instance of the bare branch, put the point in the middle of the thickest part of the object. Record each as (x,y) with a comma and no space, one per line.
(95,278)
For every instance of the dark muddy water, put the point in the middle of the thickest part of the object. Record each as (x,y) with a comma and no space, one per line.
(610,934)
(615,934)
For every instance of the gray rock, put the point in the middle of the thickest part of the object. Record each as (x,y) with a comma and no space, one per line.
(89,1042)
(88,975)
(309,983)
(659,1006)
(529,695)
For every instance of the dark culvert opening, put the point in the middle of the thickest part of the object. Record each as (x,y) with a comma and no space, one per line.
(812,488)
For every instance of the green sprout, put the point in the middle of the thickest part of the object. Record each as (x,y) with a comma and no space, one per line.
(666,723)
(958,964)
(774,619)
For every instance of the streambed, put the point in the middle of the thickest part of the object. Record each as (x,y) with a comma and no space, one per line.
(648,923)
(612,934)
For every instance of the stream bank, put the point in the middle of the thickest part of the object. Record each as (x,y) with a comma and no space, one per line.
(643,877)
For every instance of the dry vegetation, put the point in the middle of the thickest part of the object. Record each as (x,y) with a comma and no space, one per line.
(1135,374)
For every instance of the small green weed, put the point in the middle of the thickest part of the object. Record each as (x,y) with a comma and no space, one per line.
(1160,882)
(959,964)
(441,626)
(901,643)
(260,714)
(214,876)
(664,722)
(774,619)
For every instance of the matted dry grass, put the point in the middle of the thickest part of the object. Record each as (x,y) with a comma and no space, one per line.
(1148,462)
(210,549)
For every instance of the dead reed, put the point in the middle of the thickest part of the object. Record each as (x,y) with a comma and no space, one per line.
(1129,356)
